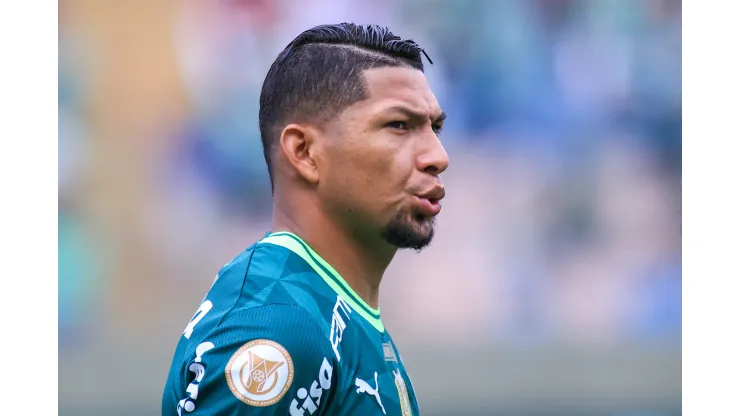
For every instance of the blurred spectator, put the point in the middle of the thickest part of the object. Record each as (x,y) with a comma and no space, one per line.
(77,263)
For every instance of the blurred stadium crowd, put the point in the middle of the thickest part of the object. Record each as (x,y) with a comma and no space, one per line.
(562,221)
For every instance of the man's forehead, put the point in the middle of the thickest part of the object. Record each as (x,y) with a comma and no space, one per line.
(391,87)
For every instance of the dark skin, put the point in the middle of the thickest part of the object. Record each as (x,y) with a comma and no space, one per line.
(371,172)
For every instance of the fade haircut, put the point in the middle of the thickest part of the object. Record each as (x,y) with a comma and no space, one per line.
(320,73)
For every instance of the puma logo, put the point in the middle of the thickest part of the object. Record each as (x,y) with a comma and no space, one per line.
(364,387)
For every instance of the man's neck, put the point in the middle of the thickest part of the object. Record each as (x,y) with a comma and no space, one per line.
(360,264)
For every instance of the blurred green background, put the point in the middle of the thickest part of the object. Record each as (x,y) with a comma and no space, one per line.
(553,286)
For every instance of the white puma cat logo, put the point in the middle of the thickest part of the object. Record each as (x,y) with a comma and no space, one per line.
(364,387)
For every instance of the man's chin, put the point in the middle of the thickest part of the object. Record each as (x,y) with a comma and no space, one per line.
(409,233)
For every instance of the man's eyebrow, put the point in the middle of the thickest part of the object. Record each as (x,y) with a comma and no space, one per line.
(416,116)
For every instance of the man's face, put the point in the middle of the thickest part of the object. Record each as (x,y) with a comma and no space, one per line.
(382,158)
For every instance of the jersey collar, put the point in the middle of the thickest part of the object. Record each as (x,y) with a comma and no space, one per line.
(332,278)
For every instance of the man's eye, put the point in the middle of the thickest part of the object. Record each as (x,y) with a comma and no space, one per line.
(400,125)
(437,130)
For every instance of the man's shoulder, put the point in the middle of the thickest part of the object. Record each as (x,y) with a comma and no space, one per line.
(267,258)
(267,274)
(264,277)
(258,269)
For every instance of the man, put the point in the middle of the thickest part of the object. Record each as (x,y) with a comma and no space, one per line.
(291,326)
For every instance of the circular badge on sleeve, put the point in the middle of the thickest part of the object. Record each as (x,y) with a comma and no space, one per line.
(260,372)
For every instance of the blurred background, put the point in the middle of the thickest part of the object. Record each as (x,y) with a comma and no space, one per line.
(553,286)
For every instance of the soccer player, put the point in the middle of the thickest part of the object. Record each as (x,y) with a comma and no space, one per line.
(291,326)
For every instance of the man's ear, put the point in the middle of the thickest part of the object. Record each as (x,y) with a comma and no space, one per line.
(300,149)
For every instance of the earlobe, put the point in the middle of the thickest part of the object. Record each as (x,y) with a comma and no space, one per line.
(298,146)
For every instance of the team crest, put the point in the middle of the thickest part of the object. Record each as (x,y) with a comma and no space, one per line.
(260,372)
(403,394)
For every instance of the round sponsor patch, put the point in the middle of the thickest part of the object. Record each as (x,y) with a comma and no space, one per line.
(260,372)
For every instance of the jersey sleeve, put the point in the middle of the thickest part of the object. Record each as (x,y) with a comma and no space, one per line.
(268,360)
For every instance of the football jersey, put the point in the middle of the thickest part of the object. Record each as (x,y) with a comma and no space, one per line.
(281,333)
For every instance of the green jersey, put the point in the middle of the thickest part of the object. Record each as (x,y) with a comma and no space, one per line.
(281,333)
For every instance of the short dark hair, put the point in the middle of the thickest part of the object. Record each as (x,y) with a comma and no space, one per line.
(319,74)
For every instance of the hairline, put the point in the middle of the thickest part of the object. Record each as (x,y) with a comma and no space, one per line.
(363,50)
(319,121)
